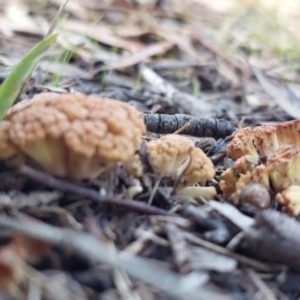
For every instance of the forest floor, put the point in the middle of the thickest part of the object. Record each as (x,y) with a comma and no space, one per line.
(235,63)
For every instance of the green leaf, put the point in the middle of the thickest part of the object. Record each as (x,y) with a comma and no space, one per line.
(16,80)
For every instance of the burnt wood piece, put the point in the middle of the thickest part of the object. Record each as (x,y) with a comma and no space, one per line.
(200,127)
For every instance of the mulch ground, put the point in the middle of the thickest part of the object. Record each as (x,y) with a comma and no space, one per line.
(100,239)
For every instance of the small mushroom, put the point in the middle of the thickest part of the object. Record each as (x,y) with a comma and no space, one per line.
(230,176)
(177,157)
(169,152)
(242,144)
(265,138)
(196,169)
(244,164)
(289,199)
(194,193)
(288,132)
(243,181)
(71,135)
(283,167)
(227,188)
(260,175)
(134,166)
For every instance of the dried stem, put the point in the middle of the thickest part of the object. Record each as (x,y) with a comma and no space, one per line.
(64,186)
(200,127)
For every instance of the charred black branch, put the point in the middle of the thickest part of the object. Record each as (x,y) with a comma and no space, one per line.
(200,127)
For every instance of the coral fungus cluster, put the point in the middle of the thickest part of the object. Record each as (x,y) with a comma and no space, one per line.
(177,157)
(269,155)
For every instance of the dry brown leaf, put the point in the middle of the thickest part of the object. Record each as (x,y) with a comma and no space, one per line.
(182,40)
(71,71)
(102,34)
(18,19)
(132,31)
(214,48)
(282,96)
(85,48)
(138,57)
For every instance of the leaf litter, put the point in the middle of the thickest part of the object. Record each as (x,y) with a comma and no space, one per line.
(190,68)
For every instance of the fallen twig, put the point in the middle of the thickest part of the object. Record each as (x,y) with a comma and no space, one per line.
(242,259)
(200,127)
(68,187)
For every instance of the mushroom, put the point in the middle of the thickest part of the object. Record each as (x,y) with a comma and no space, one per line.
(289,199)
(195,169)
(233,184)
(230,176)
(283,167)
(278,145)
(288,132)
(242,144)
(265,138)
(194,193)
(177,157)
(71,135)
(244,164)
(260,175)
(169,152)
(134,166)
(227,188)
(243,181)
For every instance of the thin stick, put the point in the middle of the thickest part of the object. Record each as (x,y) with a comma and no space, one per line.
(242,259)
(68,187)
(184,127)
(265,291)
(153,192)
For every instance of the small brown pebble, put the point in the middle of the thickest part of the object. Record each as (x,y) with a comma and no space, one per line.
(255,194)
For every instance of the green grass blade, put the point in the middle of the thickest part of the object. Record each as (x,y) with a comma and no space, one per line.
(15,81)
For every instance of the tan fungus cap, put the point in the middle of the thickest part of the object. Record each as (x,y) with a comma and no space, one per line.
(72,135)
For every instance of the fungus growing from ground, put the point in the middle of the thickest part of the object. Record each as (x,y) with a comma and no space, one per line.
(283,167)
(198,167)
(288,133)
(177,157)
(230,176)
(242,144)
(268,155)
(261,175)
(71,135)
(289,199)
(134,166)
(168,153)
(265,138)
(194,194)
(243,181)
(227,188)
